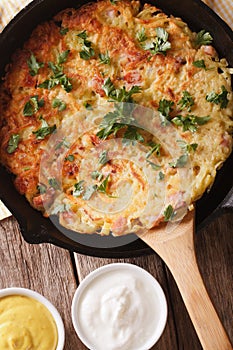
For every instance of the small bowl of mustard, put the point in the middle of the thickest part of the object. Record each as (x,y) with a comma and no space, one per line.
(29,321)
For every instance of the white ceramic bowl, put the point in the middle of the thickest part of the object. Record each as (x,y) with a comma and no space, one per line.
(32,294)
(151,284)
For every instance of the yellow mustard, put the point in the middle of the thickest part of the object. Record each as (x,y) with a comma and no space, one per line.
(26,324)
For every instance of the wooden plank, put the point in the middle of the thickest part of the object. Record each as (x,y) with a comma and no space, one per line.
(213,247)
(154,265)
(43,268)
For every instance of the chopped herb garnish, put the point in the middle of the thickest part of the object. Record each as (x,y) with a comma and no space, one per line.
(161,176)
(44,130)
(141,35)
(64,31)
(63,142)
(132,136)
(102,188)
(218,98)
(62,58)
(155,148)
(41,188)
(121,117)
(113,2)
(153,165)
(119,95)
(89,192)
(13,143)
(187,147)
(203,38)
(61,208)
(88,106)
(70,158)
(96,175)
(200,64)
(104,58)
(165,108)
(87,51)
(190,122)
(58,77)
(180,162)
(57,103)
(34,66)
(53,183)
(32,106)
(169,213)
(160,45)
(78,188)
(103,157)
(186,101)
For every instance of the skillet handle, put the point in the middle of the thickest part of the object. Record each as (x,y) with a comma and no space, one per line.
(227,203)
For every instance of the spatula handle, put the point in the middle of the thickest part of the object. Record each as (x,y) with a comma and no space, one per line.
(179,255)
(200,308)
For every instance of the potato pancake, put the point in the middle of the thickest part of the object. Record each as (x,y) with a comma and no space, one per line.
(115,117)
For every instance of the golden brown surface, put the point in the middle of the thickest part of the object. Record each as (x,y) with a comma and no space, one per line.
(113,30)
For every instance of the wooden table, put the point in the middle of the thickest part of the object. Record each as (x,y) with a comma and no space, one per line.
(55,273)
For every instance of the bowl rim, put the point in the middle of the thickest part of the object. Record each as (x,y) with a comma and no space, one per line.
(149,278)
(50,307)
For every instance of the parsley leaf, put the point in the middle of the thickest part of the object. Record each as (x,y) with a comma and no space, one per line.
(58,77)
(155,147)
(96,175)
(32,106)
(190,122)
(187,147)
(64,31)
(57,103)
(88,106)
(89,192)
(186,101)
(203,38)
(54,183)
(160,45)
(34,66)
(165,108)
(169,213)
(102,188)
(13,143)
(153,165)
(70,158)
(161,176)
(104,58)
(62,58)
(87,51)
(78,188)
(41,188)
(141,35)
(132,135)
(219,98)
(199,64)
(180,162)
(63,142)
(44,130)
(119,95)
(103,158)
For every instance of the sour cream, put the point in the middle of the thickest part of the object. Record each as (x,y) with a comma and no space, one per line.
(119,307)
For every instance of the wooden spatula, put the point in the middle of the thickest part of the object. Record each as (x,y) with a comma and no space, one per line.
(176,248)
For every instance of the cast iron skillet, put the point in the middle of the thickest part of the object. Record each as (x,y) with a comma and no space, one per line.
(37,229)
